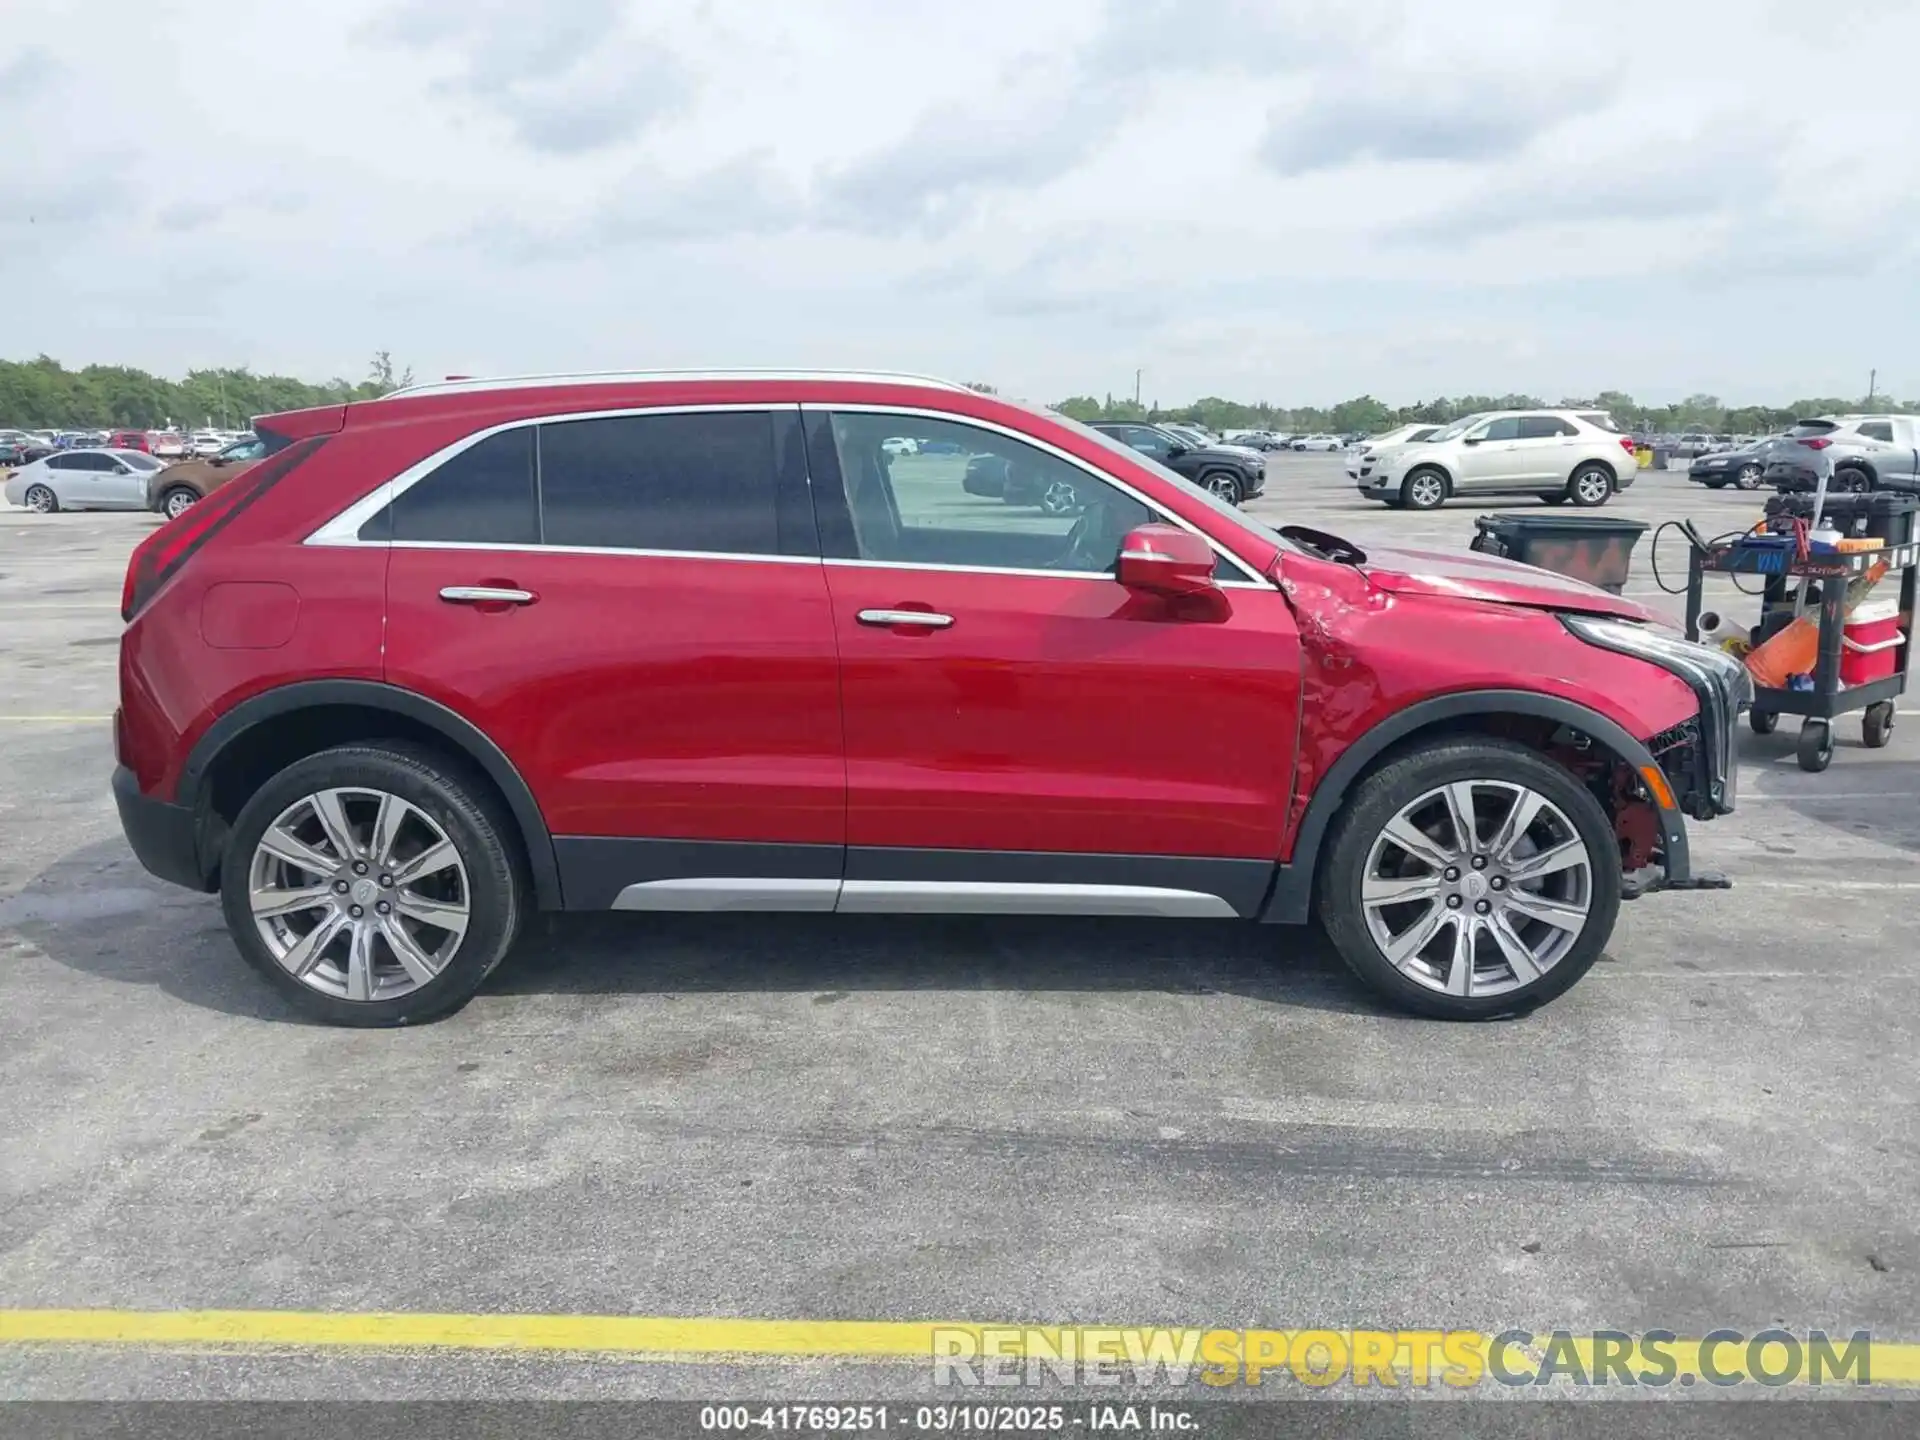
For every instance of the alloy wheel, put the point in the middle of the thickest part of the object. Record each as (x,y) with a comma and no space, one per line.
(1060,498)
(1477,888)
(359,894)
(40,500)
(178,503)
(1222,487)
(1426,491)
(1748,478)
(1593,487)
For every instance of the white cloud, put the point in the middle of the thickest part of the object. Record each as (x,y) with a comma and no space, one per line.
(1281,198)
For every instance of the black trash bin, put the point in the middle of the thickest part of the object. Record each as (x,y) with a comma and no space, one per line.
(1595,548)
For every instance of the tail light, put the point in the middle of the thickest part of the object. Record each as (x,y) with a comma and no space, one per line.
(1626,444)
(1816,442)
(162,553)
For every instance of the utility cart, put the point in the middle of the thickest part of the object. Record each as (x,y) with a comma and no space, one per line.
(1787,576)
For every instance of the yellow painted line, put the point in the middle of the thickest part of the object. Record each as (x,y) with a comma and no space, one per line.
(1892,1363)
(870,1339)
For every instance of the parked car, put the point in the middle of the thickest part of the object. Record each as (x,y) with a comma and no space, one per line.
(1555,454)
(14,453)
(1316,442)
(207,442)
(1741,467)
(388,695)
(169,444)
(187,482)
(1232,475)
(83,480)
(1867,452)
(1387,440)
(130,440)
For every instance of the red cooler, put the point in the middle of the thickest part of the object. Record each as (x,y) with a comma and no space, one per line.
(1872,636)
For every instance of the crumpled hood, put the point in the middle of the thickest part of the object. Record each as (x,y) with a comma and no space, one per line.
(1469,575)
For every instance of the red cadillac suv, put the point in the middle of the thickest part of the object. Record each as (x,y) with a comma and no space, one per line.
(744,642)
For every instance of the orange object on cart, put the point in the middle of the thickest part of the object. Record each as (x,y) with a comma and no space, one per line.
(1796,648)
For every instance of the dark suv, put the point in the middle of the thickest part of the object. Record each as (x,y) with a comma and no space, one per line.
(1232,474)
(746,642)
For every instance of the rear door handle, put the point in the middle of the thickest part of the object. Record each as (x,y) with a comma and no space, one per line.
(486,595)
(925,619)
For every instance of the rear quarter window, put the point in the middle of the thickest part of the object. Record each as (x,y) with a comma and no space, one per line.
(482,496)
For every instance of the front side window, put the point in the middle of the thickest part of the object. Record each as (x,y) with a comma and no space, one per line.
(1505,428)
(1877,430)
(700,482)
(975,497)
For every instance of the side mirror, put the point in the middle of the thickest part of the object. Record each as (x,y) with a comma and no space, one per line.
(1471,439)
(1166,560)
(1174,452)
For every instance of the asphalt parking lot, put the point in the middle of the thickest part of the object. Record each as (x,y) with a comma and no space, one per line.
(812,1118)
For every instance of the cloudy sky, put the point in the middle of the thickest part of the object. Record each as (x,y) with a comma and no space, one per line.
(1284,200)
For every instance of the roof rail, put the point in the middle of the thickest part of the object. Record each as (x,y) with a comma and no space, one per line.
(464,384)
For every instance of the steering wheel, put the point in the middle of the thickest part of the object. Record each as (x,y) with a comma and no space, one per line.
(1093,545)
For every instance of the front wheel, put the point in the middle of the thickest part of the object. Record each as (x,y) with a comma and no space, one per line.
(1470,879)
(177,501)
(41,500)
(1590,486)
(1423,490)
(1222,486)
(1747,479)
(373,885)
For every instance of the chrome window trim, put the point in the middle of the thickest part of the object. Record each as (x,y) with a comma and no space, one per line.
(344,528)
(1254,579)
(939,569)
(536,549)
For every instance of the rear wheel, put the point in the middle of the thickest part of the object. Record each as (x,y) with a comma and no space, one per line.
(1470,879)
(42,500)
(1424,489)
(1814,749)
(1876,726)
(373,885)
(1763,722)
(1747,479)
(177,501)
(1852,481)
(1591,485)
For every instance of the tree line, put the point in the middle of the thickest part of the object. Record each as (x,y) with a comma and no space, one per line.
(44,394)
(1366,415)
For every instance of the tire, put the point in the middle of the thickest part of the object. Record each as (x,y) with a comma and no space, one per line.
(41,500)
(1499,773)
(1814,749)
(1591,486)
(485,881)
(177,501)
(1424,489)
(1558,498)
(1851,480)
(1763,722)
(1718,484)
(1876,726)
(1747,479)
(1222,485)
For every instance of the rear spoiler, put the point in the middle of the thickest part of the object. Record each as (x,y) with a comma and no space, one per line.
(280,431)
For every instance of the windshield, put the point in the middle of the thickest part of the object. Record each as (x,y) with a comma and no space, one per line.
(1220,507)
(1458,427)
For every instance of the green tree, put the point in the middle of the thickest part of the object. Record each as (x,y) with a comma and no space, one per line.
(1364,414)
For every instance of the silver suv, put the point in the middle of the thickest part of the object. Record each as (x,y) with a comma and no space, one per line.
(1867,452)
(1576,455)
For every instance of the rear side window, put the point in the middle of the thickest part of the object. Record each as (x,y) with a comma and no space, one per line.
(1544,427)
(1600,420)
(1878,430)
(482,496)
(700,482)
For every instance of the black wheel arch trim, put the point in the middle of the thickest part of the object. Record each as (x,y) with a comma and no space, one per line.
(1292,897)
(460,732)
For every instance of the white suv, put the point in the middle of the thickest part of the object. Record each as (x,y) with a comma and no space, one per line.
(1867,452)
(1556,454)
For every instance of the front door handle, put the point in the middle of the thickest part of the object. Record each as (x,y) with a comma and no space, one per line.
(923,619)
(486,595)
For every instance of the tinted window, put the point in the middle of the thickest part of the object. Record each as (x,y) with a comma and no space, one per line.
(701,482)
(976,497)
(482,496)
(98,463)
(63,462)
(1543,427)
(1808,428)
(1503,429)
(1878,430)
